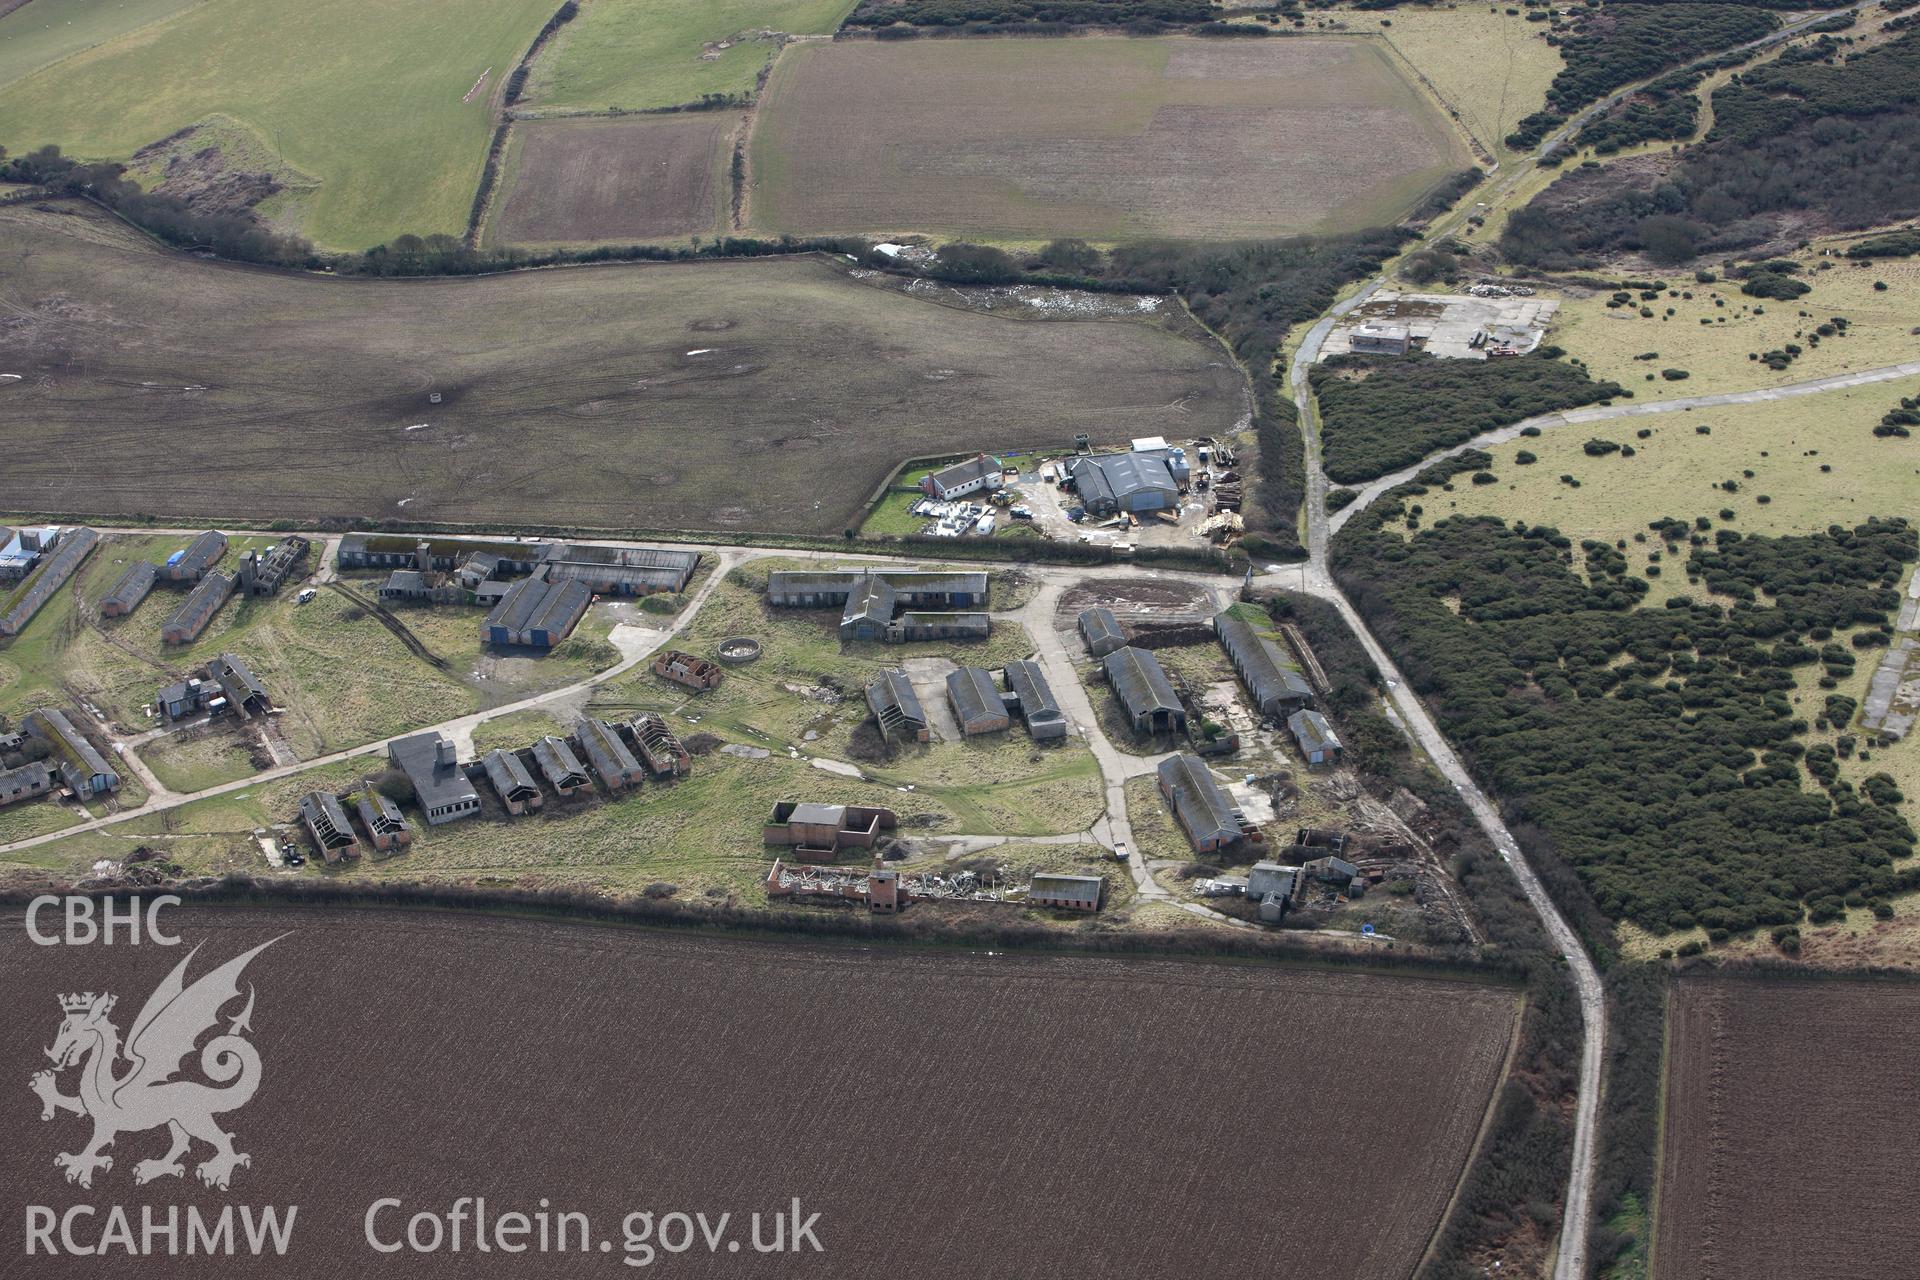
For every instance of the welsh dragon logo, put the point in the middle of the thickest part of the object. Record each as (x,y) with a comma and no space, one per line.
(145,1095)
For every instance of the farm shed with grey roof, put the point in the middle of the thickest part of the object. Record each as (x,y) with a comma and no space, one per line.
(1273,878)
(1315,736)
(386,826)
(432,765)
(510,778)
(1204,810)
(129,589)
(1124,482)
(537,613)
(1273,681)
(26,782)
(245,694)
(1145,693)
(327,823)
(190,563)
(196,611)
(81,766)
(608,755)
(1066,892)
(976,701)
(1038,708)
(563,770)
(1101,631)
(896,707)
(73,547)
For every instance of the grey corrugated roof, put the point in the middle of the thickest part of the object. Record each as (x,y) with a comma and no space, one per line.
(507,773)
(871,601)
(1203,807)
(1311,730)
(1118,475)
(813,813)
(557,761)
(133,585)
(204,550)
(201,604)
(560,606)
(973,694)
(1141,682)
(1098,623)
(1269,674)
(378,812)
(235,678)
(609,755)
(67,740)
(891,688)
(1029,684)
(1048,884)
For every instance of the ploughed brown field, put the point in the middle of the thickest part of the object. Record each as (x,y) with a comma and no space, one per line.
(764,394)
(1791,1133)
(947,1115)
(1106,137)
(626,180)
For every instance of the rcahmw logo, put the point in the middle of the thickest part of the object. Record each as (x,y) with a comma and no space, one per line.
(131,1086)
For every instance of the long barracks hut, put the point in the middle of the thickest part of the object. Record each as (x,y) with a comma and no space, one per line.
(1033,696)
(610,757)
(1146,695)
(1203,809)
(1273,681)
(129,589)
(81,767)
(190,564)
(196,611)
(891,606)
(976,702)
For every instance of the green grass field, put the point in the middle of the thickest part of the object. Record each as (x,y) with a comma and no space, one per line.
(1676,471)
(1487,65)
(636,54)
(364,96)
(39,34)
(1880,324)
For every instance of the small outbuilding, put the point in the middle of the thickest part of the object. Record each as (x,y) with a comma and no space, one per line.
(562,769)
(659,747)
(385,825)
(1315,736)
(509,776)
(896,707)
(326,821)
(129,589)
(1066,892)
(687,669)
(1101,631)
(826,830)
(975,475)
(610,757)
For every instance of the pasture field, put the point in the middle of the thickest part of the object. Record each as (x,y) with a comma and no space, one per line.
(638,54)
(1754,1181)
(1712,333)
(1676,471)
(1490,67)
(633,179)
(1028,1089)
(620,397)
(41,33)
(366,97)
(1100,137)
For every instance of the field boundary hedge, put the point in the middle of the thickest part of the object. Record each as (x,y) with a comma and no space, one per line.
(923,927)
